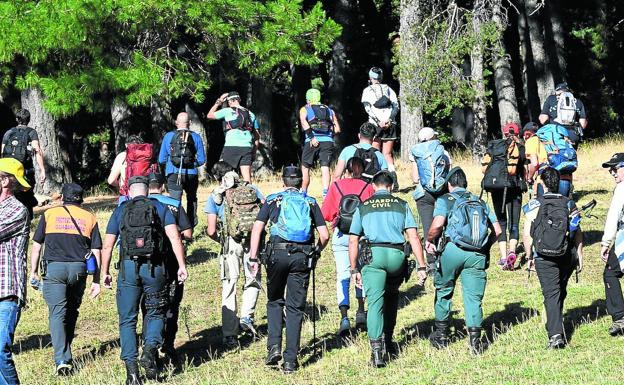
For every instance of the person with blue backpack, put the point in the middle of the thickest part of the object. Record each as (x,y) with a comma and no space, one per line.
(320,125)
(290,256)
(561,155)
(430,166)
(459,234)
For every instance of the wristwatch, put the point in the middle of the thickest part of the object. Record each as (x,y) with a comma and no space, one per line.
(422,268)
(253,260)
(354,271)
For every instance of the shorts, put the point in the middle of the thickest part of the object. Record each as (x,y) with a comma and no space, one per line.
(324,153)
(237,156)
(388,134)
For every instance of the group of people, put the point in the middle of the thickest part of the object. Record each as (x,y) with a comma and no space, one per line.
(373,233)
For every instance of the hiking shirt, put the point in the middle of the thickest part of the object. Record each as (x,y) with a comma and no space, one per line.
(14,232)
(550,108)
(372,94)
(534,146)
(175,206)
(331,205)
(382,218)
(219,210)
(62,241)
(321,137)
(165,154)
(349,152)
(237,137)
(32,135)
(613,215)
(445,203)
(270,211)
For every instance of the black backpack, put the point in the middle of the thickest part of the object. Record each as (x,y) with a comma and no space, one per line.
(142,233)
(371,163)
(322,120)
(182,149)
(348,204)
(242,121)
(496,176)
(18,145)
(550,229)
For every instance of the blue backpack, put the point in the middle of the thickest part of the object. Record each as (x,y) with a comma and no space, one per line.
(294,222)
(433,165)
(561,154)
(467,225)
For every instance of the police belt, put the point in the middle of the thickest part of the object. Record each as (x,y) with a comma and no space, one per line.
(292,247)
(153,259)
(396,246)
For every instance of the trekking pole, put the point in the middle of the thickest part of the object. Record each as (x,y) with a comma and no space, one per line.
(314,309)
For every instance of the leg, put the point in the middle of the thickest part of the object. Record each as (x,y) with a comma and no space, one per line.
(474,279)
(296,293)
(306,178)
(76,282)
(175,189)
(613,289)
(129,290)
(565,187)
(277,274)
(230,269)
(514,210)
(154,288)
(391,295)
(251,289)
(343,278)
(374,278)
(548,274)
(176,292)
(386,150)
(191,183)
(425,206)
(501,215)
(9,317)
(55,294)
(308,154)
(245,161)
(246,173)
(326,155)
(451,263)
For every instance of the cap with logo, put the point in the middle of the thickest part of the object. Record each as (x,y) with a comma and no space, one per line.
(15,168)
(292,172)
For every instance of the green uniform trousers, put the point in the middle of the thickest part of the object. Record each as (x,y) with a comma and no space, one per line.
(470,266)
(382,278)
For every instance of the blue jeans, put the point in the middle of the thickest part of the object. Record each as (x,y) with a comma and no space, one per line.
(64,285)
(564,188)
(150,282)
(9,317)
(343,278)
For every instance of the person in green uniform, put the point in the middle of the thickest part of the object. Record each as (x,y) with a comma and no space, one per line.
(383,219)
(460,258)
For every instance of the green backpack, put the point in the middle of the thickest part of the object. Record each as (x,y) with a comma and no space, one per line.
(241,209)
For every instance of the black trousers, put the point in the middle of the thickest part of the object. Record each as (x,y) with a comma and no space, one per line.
(290,274)
(613,289)
(425,206)
(508,214)
(553,275)
(189,184)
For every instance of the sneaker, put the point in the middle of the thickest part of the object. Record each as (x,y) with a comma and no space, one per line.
(531,266)
(502,262)
(617,327)
(345,326)
(556,342)
(360,320)
(246,325)
(510,261)
(64,369)
(230,342)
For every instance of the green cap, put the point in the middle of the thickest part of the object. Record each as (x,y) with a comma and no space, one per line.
(313,95)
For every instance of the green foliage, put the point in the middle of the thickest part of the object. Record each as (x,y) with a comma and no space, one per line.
(81,53)
(595,36)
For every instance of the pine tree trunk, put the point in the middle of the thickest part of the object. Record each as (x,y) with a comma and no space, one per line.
(528,70)
(479,103)
(556,35)
(120,115)
(543,72)
(197,126)
(262,103)
(55,159)
(503,77)
(409,50)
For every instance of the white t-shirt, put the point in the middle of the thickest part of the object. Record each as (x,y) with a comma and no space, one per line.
(373,93)
(613,215)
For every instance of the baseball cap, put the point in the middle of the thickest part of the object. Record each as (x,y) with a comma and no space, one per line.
(616,160)
(313,95)
(138,179)
(156,177)
(15,168)
(367,130)
(563,86)
(511,128)
(292,172)
(530,126)
(426,133)
(72,192)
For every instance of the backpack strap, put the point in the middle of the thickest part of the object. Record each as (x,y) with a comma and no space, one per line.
(339,190)
(84,240)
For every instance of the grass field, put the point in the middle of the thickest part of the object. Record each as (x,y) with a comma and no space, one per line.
(512,306)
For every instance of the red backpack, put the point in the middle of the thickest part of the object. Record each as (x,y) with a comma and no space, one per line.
(139,162)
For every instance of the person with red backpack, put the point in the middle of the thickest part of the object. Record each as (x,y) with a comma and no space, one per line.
(374,161)
(137,160)
(343,198)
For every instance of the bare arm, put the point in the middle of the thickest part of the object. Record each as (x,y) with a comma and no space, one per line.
(107,251)
(178,250)
(34,259)
(211,227)
(336,124)
(323,236)
(583,122)
(436,229)
(303,119)
(354,243)
(39,158)
(417,250)
(526,238)
(216,106)
(340,166)
(254,242)
(415,175)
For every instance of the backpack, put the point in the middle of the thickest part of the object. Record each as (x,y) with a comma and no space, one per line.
(561,154)
(242,121)
(183,149)
(139,162)
(294,222)
(550,229)
(433,165)
(18,145)
(383,101)
(566,109)
(141,229)
(468,221)
(347,207)
(321,121)
(241,210)
(500,164)
(371,163)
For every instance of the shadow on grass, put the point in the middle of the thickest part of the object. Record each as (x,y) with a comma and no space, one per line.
(200,255)
(93,352)
(590,237)
(573,318)
(580,194)
(32,342)
(106,204)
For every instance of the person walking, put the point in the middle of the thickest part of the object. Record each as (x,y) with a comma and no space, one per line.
(72,241)
(144,226)
(14,231)
(182,153)
(374,160)
(342,198)
(465,255)
(136,160)
(557,246)
(383,219)
(291,256)
(565,109)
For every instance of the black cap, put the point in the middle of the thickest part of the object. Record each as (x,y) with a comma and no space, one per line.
(292,172)
(615,160)
(72,192)
(138,179)
(367,130)
(156,177)
(562,87)
(530,126)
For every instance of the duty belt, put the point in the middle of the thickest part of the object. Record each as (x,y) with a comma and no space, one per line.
(292,247)
(396,246)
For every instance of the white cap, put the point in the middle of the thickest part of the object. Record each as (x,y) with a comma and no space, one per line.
(426,133)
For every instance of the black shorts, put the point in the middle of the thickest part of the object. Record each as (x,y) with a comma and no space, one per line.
(237,156)
(324,153)
(388,134)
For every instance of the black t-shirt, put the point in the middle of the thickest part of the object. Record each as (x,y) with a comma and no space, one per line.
(32,134)
(550,108)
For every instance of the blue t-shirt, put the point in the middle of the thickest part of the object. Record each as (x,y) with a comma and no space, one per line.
(349,151)
(383,226)
(213,208)
(165,154)
(329,137)
(114,223)
(236,137)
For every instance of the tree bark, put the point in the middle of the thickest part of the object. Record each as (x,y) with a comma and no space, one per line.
(198,126)
(556,35)
(479,104)
(120,116)
(55,159)
(162,120)
(543,73)
(503,77)
(528,68)
(262,102)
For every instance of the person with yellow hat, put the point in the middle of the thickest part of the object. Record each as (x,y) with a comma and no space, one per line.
(14,226)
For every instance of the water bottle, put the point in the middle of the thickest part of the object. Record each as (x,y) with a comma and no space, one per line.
(36,284)
(91,263)
(575,222)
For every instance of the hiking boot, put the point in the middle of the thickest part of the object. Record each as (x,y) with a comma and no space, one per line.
(395,181)
(378,353)
(392,349)
(289,367)
(274,355)
(149,363)
(230,342)
(556,342)
(64,368)
(345,326)
(133,377)
(510,261)
(439,339)
(477,346)
(246,325)
(617,327)
(360,320)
